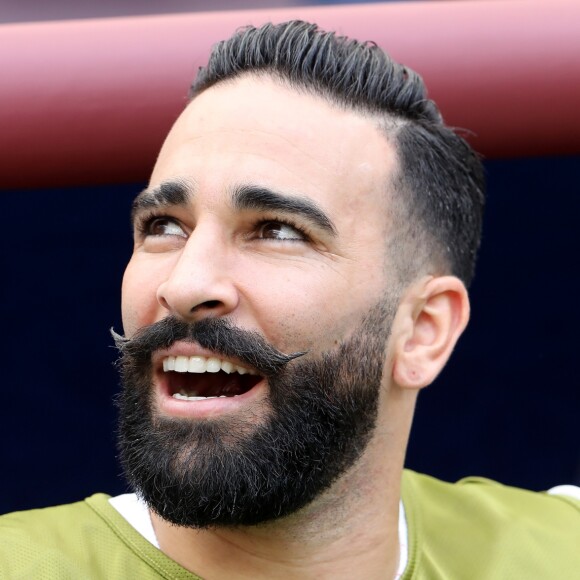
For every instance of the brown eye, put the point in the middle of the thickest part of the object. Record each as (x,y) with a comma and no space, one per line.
(279,231)
(164,227)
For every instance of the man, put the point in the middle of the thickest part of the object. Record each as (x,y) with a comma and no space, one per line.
(299,273)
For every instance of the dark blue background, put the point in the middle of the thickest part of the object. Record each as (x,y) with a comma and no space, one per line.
(506,406)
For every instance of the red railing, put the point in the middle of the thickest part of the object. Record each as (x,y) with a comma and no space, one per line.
(89,101)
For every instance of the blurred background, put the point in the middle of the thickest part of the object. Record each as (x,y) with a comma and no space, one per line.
(32,10)
(506,407)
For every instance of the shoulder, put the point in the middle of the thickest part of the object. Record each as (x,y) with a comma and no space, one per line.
(484,495)
(47,526)
(496,528)
(43,542)
(87,539)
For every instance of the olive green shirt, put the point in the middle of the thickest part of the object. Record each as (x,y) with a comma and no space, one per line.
(474,529)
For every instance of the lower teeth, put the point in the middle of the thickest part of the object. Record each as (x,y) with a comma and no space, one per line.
(195,398)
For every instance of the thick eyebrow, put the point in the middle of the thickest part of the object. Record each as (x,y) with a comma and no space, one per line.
(264,199)
(168,193)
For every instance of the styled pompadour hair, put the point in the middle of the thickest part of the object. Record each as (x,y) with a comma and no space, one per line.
(436,205)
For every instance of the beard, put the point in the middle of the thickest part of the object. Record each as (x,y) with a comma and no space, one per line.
(272,461)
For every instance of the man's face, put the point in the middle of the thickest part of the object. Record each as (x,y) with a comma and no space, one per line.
(302,291)
(266,209)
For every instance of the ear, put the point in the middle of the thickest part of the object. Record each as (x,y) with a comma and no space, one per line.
(431,317)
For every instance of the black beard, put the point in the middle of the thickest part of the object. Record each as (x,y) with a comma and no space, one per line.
(250,469)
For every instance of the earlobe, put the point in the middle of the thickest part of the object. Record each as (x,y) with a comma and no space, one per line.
(433,315)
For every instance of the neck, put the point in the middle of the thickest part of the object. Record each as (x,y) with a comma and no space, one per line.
(351,530)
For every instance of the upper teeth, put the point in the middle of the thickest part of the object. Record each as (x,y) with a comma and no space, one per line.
(202,364)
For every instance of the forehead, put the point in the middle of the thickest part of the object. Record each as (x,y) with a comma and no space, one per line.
(256,130)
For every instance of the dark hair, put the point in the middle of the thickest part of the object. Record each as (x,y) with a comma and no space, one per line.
(436,220)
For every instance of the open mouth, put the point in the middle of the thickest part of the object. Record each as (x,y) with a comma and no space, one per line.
(198,378)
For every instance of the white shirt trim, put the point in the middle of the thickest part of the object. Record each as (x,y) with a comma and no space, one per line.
(570,490)
(136,512)
(403,542)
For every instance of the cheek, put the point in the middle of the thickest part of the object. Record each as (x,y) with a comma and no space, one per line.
(303,313)
(139,305)
(315,329)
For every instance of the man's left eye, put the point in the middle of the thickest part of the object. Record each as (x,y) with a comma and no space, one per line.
(279,231)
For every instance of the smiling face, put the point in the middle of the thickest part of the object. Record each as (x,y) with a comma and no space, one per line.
(266,211)
(267,207)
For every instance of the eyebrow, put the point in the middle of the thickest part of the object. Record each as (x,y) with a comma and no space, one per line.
(168,193)
(260,198)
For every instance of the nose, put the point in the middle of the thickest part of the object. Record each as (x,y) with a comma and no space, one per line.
(200,284)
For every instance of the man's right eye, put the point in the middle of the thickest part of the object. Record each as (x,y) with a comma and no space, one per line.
(162,226)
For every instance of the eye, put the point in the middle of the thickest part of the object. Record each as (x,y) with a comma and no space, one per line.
(274,230)
(162,226)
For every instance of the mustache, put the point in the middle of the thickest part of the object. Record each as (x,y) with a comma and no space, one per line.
(216,334)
